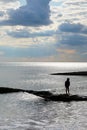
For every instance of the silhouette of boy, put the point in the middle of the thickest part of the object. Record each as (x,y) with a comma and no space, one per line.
(67,84)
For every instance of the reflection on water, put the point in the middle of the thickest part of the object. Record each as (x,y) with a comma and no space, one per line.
(19,111)
(22,111)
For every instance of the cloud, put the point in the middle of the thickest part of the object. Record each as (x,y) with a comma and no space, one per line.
(23,33)
(73,39)
(19,34)
(68,43)
(34,13)
(8,1)
(73,28)
(72,34)
(77,2)
(1,13)
(66,51)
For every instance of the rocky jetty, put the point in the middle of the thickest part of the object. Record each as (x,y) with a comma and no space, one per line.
(81,73)
(47,95)
(5,90)
(67,98)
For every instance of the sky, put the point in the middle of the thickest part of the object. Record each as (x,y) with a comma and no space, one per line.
(43,30)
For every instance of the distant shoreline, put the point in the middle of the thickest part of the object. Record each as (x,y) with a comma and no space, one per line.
(80,73)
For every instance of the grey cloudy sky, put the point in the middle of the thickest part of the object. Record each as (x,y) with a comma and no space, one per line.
(43,30)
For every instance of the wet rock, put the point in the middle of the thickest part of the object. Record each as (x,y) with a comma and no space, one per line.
(47,95)
(81,73)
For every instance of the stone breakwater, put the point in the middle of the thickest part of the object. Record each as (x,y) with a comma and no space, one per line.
(47,95)
(81,73)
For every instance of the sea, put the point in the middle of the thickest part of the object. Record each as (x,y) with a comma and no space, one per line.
(24,111)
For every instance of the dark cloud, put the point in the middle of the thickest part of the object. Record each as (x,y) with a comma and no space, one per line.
(2,13)
(73,34)
(73,28)
(73,39)
(19,34)
(34,13)
(26,34)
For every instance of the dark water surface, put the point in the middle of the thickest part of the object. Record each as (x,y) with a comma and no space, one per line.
(22,111)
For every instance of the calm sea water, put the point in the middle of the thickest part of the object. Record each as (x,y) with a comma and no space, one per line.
(22,111)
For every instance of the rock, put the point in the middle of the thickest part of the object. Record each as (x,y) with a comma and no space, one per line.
(81,73)
(46,95)
(67,98)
